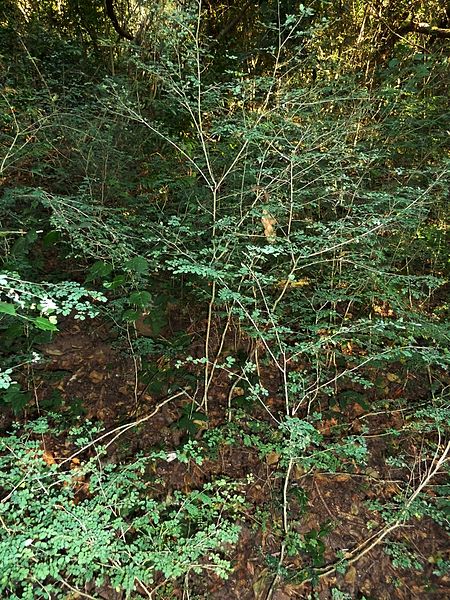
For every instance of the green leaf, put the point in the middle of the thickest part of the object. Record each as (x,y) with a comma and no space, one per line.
(44,324)
(138,264)
(141,299)
(51,238)
(130,315)
(16,398)
(99,270)
(157,319)
(14,331)
(7,308)
(53,402)
(118,281)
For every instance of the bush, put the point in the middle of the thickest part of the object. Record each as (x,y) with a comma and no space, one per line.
(85,523)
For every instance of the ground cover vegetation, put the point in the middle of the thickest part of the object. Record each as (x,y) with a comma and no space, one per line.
(224,299)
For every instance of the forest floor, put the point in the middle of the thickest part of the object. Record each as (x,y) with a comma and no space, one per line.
(89,369)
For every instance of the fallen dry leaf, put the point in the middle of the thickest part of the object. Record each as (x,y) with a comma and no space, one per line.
(298,472)
(326,425)
(48,457)
(269,223)
(96,376)
(272,458)
(250,567)
(354,509)
(54,352)
(357,409)
(350,576)
(341,477)
(392,377)
(371,472)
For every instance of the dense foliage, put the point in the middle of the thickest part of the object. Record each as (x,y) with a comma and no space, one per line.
(254,198)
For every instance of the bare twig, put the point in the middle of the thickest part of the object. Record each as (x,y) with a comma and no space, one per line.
(118,431)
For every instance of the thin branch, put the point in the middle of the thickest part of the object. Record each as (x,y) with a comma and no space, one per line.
(123,428)
(424,29)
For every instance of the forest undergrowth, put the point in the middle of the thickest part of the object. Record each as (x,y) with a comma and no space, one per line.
(223,302)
